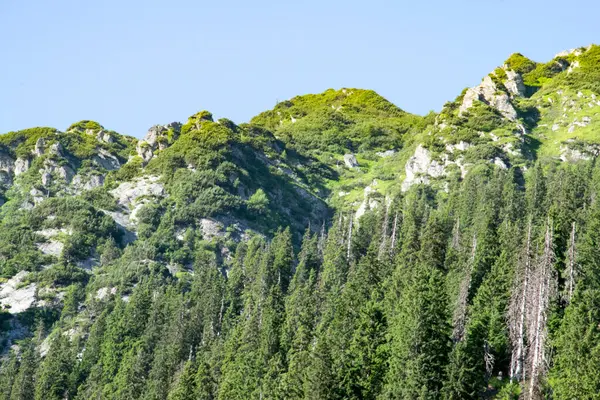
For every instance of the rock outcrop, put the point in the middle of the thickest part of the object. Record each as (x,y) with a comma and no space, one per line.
(157,138)
(16,298)
(488,92)
(514,83)
(350,161)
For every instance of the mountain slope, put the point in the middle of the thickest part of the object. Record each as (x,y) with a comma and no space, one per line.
(326,249)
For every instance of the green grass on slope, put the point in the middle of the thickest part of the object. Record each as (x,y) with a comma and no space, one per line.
(566,114)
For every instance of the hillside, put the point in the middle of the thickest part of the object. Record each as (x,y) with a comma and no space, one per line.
(333,247)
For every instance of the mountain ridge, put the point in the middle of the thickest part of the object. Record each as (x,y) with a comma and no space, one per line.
(255,236)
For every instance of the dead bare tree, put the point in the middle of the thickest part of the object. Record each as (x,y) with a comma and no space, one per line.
(460,313)
(384,233)
(544,284)
(349,249)
(518,310)
(489,359)
(456,234)
(394,230)
(571,266)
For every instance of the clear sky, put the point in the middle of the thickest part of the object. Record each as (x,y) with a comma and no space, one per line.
(131,64)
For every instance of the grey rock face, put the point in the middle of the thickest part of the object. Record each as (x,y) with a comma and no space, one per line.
(14,298)
(128,193)
(514,83)
(21,166)
(46,178)
(488,93)
(154,133)
(7,163)
(5,178)
(57,149)
(211,228)
(156,138)
(51,247)
(145,151)
(40,147)
(106,160)
(350,161)
(585,152)
(87,182)
(52,168)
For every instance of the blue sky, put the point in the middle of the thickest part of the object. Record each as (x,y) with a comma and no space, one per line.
(130,64)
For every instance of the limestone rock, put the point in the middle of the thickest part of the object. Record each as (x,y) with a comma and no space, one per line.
(5,178)
(418,167)
(157,138)
(21,166)
(582,152)
(144,150)
(37,196)
(128,193)
(500,163)
(7,163)
(46,178)
(514,83)
(462,146)
(387,153)
(350,161)
(40,147)
(211,228)
(14,298)
(51,247)
(106,160)
(87,182)
(52,168)
(488,93)
(57,149)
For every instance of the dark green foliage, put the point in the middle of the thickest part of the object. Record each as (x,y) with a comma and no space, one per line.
(22,143)
(345,317)
(482,117)
(520,64)
(84,125)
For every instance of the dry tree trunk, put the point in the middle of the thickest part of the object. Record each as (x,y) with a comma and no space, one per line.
(460,314)
(571,272)
(517,312)
(456,234)
(384,233)
(394,230)
(545,287)
(349,250)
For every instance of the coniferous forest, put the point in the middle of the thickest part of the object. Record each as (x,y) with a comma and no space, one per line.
(335,247)
(491,289)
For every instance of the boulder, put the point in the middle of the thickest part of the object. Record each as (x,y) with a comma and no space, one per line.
(350,161)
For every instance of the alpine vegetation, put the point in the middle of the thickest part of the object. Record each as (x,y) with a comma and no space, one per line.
(334,247)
